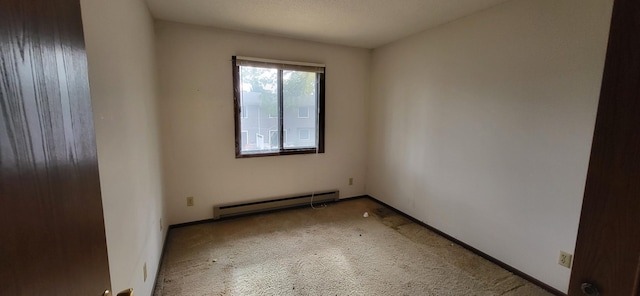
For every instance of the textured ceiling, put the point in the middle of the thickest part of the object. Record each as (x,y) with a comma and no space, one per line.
(360,23)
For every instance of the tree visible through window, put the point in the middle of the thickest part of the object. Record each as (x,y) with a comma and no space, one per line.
(281,97)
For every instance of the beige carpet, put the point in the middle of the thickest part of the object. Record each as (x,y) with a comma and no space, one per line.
(332,250)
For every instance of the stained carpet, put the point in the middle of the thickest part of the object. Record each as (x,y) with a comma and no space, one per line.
(330,250)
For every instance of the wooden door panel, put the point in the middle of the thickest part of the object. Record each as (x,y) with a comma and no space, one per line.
(608,245)
(51,221)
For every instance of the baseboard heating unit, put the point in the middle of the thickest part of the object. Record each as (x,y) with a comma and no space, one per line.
(229,210)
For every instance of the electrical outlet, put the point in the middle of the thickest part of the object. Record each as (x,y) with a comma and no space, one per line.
(144,271)
(350,181)
(189,201)
(565,259)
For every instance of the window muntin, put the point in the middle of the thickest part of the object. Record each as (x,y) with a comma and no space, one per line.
(281,97)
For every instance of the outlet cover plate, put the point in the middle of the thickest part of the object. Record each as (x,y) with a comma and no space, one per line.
(565,259)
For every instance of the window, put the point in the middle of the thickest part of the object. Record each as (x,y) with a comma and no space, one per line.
(282,96)
(303,112)
(244,138)
(243,112)
(304,134)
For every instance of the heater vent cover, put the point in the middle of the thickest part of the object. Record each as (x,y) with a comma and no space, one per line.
(229,210)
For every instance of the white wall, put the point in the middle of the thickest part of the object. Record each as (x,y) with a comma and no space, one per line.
(482,127)
(198,126)
(120,48)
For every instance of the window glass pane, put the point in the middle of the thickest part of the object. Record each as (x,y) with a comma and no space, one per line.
(258,99)
(299,108)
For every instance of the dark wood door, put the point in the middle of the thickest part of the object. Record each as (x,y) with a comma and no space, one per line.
(608,246)
(52,238)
